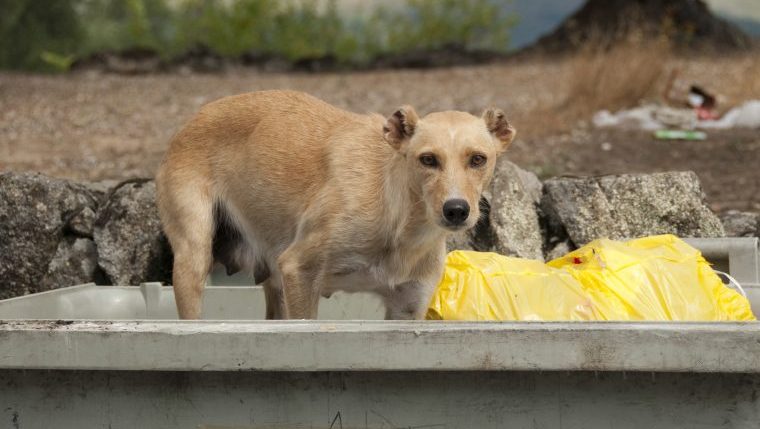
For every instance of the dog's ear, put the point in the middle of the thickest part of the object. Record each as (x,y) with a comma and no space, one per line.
(499,127)
(400,126)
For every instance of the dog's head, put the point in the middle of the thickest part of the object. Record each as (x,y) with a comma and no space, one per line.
(451,158)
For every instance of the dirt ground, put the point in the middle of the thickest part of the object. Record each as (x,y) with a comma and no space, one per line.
(89,125)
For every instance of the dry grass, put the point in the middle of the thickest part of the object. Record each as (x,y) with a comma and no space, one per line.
(752,74)
(745,84)
(631,73)
(617,78)
(598,78)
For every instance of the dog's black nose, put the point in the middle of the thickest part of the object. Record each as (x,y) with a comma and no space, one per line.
(456,211)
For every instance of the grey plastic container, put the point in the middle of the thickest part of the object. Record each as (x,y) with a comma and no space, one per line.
(102,356)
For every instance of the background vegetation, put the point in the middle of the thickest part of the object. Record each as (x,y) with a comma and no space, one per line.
(53,34)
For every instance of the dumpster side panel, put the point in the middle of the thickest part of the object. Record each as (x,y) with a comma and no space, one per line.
(381,346)
(113,399)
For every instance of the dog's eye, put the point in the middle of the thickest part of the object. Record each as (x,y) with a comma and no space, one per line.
(429,160)
(478,160)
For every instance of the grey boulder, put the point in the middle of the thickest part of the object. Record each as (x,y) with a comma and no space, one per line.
(629,206)
(741,224)
(83,223)
(75,262)
(35,213)
(515,194)
(131,245)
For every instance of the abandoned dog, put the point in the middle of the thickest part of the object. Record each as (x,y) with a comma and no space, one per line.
(311,199)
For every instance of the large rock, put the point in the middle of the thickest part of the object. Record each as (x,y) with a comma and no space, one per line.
(131,246)
(515,194)
(83,224)
(628,206)
(741,224)
(75,262)
(510,224)
(35,212)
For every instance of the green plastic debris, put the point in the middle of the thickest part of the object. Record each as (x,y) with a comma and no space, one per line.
(680,135)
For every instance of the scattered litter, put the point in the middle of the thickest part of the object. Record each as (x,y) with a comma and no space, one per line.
(698,97)
(745,116)
(675,118)
(689,106)
(638,118)
(680,135)
(680,93)
(703,103)
(652,117)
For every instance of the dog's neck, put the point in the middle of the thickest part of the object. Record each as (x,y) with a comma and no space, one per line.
(405,219)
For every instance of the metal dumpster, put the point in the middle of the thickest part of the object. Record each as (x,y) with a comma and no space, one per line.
(112,357)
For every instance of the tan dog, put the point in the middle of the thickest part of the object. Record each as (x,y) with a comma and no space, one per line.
(313,199)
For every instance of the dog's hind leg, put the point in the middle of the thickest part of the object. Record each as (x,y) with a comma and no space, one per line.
(186,209)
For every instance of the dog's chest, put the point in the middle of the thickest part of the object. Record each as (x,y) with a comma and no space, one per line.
(360,280)
(360,275)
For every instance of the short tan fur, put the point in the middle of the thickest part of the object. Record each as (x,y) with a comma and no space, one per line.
(312,199)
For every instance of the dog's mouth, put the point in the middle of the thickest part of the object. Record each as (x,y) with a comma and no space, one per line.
(453,227)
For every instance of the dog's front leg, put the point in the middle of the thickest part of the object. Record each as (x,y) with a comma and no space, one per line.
(302,278)
(274,298)
(409,301)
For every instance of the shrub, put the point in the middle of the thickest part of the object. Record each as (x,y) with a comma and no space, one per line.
(121,25)
(433,24)
(291,29)
(29,28)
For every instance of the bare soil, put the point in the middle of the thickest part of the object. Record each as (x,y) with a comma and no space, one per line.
(95,126)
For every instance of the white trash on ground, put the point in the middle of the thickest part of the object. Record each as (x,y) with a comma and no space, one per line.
(745,116)
(652,117)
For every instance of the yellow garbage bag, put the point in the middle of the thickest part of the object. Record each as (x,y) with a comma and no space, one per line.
(653,278)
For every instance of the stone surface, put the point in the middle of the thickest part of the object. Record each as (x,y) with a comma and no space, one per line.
(100,189)
(553,230)
(628,206)
(34,213)
(515,194)
(511,226)
(75,262)
(82,223)
(462,241)
(131,246)
(560,249)
(741,224)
